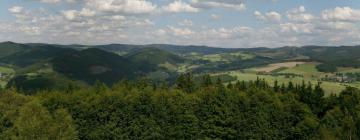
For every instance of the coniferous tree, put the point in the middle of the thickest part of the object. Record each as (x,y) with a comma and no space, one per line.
(206,81)
(243,85)
(100,87)
(283,88)
(230,86)
(276,86)
(185,82)
(290,86)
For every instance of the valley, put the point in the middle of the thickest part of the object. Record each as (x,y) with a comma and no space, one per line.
(82,65)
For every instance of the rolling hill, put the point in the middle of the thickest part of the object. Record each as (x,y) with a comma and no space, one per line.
(94,64)
(154,56)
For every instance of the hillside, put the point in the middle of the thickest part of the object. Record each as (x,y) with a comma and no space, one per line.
(22,55)
(9,48)
(154,56)
(94,64)
(115,62)
(144,110)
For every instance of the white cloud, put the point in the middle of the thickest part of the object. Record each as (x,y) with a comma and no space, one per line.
(299,15)
(73,14)
(87,12)
(122,6)
(16,9)
(273,16)
(133,22)
(179,6)
(341,14)
(184,32)
(297,28)
(50,1)
(70,14)
(224,4)
(269,16)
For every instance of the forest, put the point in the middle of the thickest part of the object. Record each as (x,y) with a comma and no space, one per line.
(187,109)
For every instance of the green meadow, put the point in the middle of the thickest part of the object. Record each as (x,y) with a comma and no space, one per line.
(308,71)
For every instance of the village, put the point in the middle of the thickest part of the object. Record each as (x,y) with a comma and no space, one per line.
(343,78)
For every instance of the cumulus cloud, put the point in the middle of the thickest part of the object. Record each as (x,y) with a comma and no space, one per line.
(299,15)
(141,22)
(50,1)
(298,28)
(179,6)
(122,6)
(70,14)
(341,14)
(224,4)
(183,32)
(16,9)
(269,16)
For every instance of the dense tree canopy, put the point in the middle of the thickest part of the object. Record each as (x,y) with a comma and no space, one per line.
(141,110)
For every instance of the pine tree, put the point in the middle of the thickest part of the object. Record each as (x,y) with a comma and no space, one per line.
(290,86)
(230,86)
(206,81)
(185,82)
(276,86)
(283,88)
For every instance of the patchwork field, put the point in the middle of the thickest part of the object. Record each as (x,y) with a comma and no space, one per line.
(5,74)
(306,71)
(329,87)
(275,66)
(224,57)
(348,70)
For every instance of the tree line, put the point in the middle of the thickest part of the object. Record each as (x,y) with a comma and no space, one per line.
(185,110)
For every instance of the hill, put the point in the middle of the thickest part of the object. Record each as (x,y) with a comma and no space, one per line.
(22,55)
(94,64)
(9,48)
(154,56)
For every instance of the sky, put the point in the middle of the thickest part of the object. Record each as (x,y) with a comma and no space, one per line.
(215,23)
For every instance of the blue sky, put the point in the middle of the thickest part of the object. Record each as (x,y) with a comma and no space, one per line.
(218,23)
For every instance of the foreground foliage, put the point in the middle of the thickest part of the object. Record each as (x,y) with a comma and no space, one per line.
(140,110)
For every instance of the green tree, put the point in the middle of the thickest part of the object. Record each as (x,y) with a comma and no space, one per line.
(185,82)
(206,81)
(36,123)
(276,86)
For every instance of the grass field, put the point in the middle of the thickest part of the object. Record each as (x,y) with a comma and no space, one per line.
(329,87)
(7,71)
(224,57)
(307,69)
(244,56)
(275,66)
(213,58)
(349,70)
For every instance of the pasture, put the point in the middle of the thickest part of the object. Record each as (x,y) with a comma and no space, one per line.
(307,72)
(6,74)
(272,67)
(329,87)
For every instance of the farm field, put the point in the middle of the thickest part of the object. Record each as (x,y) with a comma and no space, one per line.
(349,70)
(223,57)
(307,72)
(6,73)
(329,87)
(275,66)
